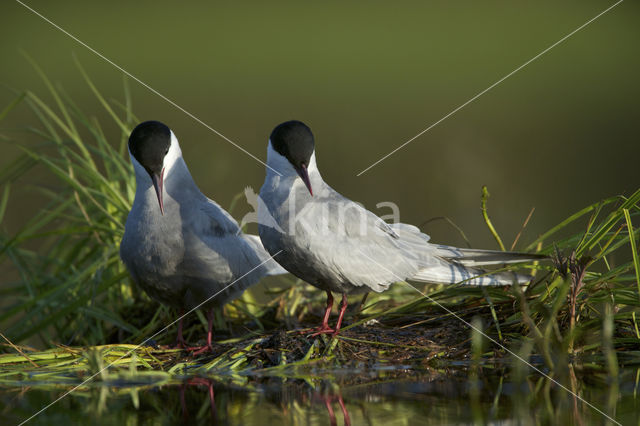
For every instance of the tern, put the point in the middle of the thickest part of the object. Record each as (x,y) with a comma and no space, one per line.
(182,248)
(338,246)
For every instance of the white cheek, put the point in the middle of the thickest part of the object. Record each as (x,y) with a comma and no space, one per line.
(313,168)
(173,155)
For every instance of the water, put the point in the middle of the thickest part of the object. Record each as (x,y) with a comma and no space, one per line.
(396,395)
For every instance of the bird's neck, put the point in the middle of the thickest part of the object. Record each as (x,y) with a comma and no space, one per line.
(179,185)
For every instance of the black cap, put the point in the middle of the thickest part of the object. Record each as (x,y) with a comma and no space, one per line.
(293,140)
(149,143)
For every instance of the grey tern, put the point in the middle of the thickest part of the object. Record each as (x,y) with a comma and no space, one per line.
(338,246)
(181,247)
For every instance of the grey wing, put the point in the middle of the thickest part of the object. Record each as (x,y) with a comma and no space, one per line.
(367,251)
(221,220)
(214,219)
(218,258)
(362,249)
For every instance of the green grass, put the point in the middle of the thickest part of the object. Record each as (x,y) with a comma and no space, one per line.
(74,296)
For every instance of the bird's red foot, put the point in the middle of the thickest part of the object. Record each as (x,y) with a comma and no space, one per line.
(323,329)
(180,344)
(201,350)
(185,347)
(208,347)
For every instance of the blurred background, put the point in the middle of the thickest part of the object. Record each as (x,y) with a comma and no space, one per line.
(558,135)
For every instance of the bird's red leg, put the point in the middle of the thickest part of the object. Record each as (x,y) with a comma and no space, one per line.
(210,331)
(324,328)
(180,343)
(327,312)
(208,346)
(343,308)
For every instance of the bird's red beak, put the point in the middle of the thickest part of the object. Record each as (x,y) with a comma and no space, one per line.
(158,184)
(304,175)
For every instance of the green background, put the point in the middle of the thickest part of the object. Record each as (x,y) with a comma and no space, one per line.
(558,135)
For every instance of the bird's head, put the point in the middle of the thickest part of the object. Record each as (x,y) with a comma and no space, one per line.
(293,141)
(154,149)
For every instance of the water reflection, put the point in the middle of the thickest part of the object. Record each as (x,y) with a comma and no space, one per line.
(198,382)
(383,397)
(328,400)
